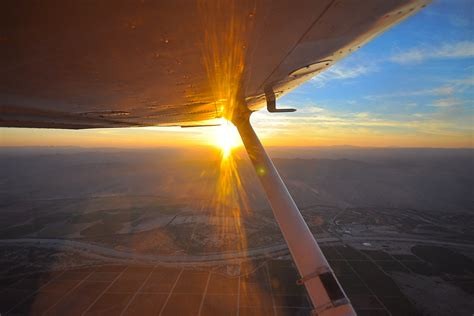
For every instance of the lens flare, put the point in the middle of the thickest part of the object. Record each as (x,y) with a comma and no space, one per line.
(228,27)
(226,138)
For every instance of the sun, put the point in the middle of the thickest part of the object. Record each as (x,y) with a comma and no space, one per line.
(226,138)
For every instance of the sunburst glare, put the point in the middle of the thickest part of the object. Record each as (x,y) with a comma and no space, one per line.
(226,138)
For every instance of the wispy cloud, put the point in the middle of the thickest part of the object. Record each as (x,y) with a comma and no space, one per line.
(342,72)
(448,89)
(463,49)
(467,82)
(438,91)
(445,120)
(447,102)
(459,21)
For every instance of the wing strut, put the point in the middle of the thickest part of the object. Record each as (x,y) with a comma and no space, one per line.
(325,292)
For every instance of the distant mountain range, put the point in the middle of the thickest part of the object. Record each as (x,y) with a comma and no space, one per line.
(428,179)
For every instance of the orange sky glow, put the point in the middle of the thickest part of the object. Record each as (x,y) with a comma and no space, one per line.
(273,131)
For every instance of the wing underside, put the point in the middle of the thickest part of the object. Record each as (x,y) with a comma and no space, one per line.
(98,64)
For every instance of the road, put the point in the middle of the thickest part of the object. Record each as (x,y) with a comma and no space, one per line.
(109,254)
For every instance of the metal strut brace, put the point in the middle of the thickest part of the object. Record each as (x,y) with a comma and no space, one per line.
(271,102)
(324,290)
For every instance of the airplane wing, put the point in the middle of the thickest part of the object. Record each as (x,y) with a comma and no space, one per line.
(120,63)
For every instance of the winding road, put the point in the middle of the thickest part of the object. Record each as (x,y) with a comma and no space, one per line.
(110,254)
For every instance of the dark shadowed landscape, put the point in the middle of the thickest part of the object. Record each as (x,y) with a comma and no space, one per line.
(83,229)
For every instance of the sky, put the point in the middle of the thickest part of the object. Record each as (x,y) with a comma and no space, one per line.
(412,86)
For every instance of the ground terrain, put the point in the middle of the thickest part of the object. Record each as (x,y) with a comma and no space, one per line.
(110,232)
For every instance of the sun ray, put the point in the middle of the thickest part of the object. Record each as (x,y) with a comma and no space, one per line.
(226,138)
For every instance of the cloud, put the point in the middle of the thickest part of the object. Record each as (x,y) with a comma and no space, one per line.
(347,73)
(310,109)
(466,82)
(342,72)
(438,91)
(444,90)
(448,89)
(463,49)
(447,102)
(446,118)
(459,21)
(362,115)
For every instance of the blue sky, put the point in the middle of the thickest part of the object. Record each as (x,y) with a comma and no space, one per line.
(410,86)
